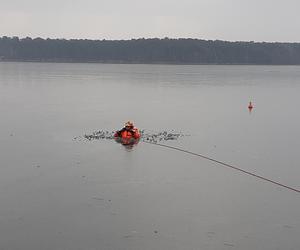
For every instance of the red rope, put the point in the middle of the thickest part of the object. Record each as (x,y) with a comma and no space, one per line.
(227,165)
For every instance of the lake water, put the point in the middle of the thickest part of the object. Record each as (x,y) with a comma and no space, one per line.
(59,193)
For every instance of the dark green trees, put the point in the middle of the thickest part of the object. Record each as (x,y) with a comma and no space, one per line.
(174,51)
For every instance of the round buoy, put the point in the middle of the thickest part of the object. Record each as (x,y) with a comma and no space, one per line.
(250,106)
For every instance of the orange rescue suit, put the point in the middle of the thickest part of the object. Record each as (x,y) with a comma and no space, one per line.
(128,134)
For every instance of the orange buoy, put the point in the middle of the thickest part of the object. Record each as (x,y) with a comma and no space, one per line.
(250,106)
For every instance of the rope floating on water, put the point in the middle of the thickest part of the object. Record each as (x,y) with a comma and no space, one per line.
(226,165)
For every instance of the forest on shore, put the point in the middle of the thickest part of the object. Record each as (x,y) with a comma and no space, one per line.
(152,50)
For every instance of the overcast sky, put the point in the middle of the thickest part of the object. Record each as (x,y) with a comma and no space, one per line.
(242,20)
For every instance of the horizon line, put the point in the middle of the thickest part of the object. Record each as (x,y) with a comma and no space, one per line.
(145,38)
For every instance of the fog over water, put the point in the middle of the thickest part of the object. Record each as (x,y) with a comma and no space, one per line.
(57,192)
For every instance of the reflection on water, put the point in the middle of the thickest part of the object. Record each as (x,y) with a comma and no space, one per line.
(128,143)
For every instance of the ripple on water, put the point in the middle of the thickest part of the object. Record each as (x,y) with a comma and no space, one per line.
(153,137)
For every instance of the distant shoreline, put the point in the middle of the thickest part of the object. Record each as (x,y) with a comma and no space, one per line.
(149,51)
(142,63)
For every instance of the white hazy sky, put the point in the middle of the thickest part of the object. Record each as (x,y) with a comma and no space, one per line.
(247,20)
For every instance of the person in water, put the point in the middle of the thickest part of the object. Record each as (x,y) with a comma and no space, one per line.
(128,132)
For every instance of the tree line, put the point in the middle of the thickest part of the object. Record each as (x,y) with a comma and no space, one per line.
(154,50)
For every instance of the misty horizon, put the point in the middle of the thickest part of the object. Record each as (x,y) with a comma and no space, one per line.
(145,38)
(231,20)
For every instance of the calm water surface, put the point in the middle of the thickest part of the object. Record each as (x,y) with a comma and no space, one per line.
(57,193)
